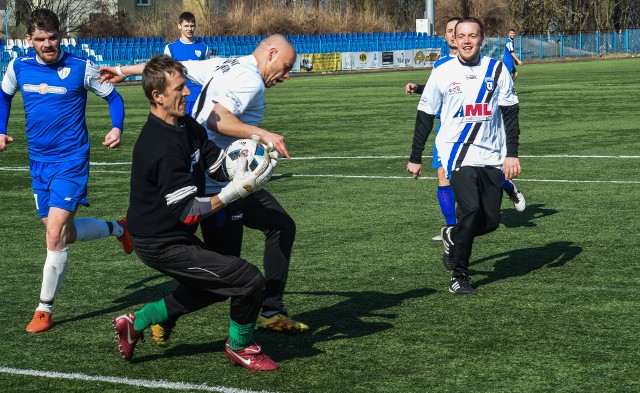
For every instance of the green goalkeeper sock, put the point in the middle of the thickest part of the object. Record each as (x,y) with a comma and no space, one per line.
(240,335)
(151,314)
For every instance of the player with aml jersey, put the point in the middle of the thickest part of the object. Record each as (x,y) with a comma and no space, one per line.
(188,48)
(479,137)
(54,87)
(445,193)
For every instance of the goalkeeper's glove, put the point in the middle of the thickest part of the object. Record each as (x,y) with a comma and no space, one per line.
(245,181)
(273,153)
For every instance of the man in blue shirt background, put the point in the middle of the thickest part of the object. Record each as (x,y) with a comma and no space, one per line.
(54,87)
(188,48)
(510,56)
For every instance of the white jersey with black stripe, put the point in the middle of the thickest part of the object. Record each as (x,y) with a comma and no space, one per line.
(469,99)
(234,83)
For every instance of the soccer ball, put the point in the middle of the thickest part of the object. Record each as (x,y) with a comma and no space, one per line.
(255,153)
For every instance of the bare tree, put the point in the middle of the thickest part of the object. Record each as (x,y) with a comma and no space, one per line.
(72,13)
(106,22)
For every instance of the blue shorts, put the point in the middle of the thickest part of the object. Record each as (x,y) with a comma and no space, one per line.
(511,67)
(59,184)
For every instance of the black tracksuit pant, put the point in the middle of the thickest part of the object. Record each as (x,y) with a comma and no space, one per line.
(260,211)
(478,195)
(205,277)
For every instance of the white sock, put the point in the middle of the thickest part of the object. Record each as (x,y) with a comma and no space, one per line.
(91,228)
(46,307)
(55,267)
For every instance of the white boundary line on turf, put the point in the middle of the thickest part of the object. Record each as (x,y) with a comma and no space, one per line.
(407,157)
(126,381)
(433,178)
(407,177)
(20,168)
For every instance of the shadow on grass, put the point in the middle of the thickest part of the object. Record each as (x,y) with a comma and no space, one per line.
(513,219)
(359,314)
(526,260)
(143,293)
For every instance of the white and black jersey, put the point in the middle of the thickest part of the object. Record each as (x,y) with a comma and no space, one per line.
(168,171)
(469,98)
(234,83)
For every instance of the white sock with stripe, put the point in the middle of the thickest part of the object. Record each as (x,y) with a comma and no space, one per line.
(92,228)
(55,268)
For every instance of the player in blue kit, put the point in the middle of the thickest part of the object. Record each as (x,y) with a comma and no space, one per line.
(54,87)
(510,57)
(188,48)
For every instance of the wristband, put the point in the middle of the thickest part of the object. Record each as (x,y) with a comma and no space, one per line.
(119,72)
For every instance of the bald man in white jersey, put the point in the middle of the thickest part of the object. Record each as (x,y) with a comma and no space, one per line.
(231,106)
(478,138)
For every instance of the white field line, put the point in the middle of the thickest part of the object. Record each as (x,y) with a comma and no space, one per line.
(406,157)
(407,177)
(362,158)
(389,177)
(126,381)
(428,157)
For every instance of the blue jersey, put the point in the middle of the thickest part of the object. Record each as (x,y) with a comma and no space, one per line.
(196,50)
(55,98)
(442,60)
(507,59)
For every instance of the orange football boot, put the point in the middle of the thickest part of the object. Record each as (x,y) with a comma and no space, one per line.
(41,321)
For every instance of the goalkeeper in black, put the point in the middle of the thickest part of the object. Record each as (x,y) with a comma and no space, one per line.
(170,161)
